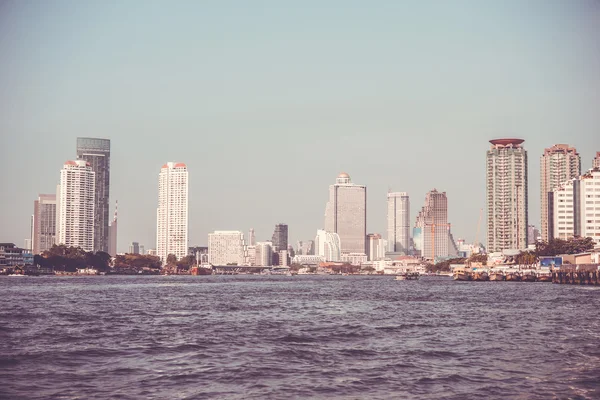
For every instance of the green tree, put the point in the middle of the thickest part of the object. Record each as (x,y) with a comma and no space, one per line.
(478,257)
(171,259)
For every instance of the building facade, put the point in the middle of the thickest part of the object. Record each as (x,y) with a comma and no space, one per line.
(398,222)
(134,248)
(10,255)
(506,195)
(561,212)
(97,153)
(328,245)
(251,237)
(434,227)
(263,254)
(375,247)
(533,233)
(226,248)
(586,197)
(596,161)
(75,205)
(346,214)
(44,223)
(172,212)
(280,237)
(559,164)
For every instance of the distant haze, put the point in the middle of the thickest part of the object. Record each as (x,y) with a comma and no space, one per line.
(268,101)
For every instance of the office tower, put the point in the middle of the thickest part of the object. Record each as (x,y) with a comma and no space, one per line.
(328,246)
(263,254)
(283,259)
(97,152)
(559,164)
(142,249)
(346,214)
(172,212)
(434,228)
(44,223)
(506,195)
(375,247)
(251,251)
(586,200)
(134,248)
(561,212)
(398,222)
(251,237)
(533,233)
(280,237)
(75,205)
(112,233)
(290,250)
(226,248)
(596,161)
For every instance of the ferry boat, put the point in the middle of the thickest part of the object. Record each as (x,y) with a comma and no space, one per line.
(408,276)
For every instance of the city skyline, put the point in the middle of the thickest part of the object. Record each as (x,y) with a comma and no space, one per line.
(390,119)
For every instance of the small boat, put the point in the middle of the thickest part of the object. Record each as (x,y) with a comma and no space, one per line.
(513,276)
(408,276)
(481,276)
(544,278)
(400,277)
(462,276)
(497,276)
(530,277)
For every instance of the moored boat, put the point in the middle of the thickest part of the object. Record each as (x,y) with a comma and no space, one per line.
(462,276)
(513,276)
(529,277)
(497,276)
(480,276)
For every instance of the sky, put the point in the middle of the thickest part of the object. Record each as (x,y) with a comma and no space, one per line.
(268,101)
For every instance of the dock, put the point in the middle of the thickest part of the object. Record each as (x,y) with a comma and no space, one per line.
(582,274)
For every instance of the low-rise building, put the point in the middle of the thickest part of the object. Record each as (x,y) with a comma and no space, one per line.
(10,255)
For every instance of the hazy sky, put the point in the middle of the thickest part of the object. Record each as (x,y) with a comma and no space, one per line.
(267,101)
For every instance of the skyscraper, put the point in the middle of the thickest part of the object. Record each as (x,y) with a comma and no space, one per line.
(559,164)
(398,222)
(346,214)
(506,187)
(44,223)
(172,212)
(134,248)
(264,254)
(586,200)
(375,249)
(435,229)
(596,160)
(227,248)
(97,152)
(561,211)
(328,246)
(75,205)
(280,237)
(251,237)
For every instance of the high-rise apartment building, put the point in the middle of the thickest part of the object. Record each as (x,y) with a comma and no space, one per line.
(97,153)
(561,212)
(263,254)
(435,230)
(586,199)
(44,223)
(172,212)
(596,161)
(559,164)
(75,205)
(280,237)
(398,222)
(134,248)
(346,214)
(328,245)
(375,247)
(506,195)
(226,248)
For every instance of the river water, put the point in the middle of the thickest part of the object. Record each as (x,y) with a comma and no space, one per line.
(260,337)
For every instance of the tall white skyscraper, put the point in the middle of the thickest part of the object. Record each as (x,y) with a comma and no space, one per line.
(264,254)
(346,214)
(75,205)
(506,184)
(44,223)
(328,246)
(172,212)
(559,164)
(375,247)
(226,248)
(398,222)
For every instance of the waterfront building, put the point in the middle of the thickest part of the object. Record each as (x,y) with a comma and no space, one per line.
(559,164)
(134,248)
(172,211)
(280,237)
(375,247)
(307,259)
(10,255)
(75,205)
(562,211)
(354,258)
(434,234)
(112,234)
(586,198)
(398,222)
(346,214)
(44,223)
(226,248)
(328,245)
(506,195)
(97,153)
(264,254)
